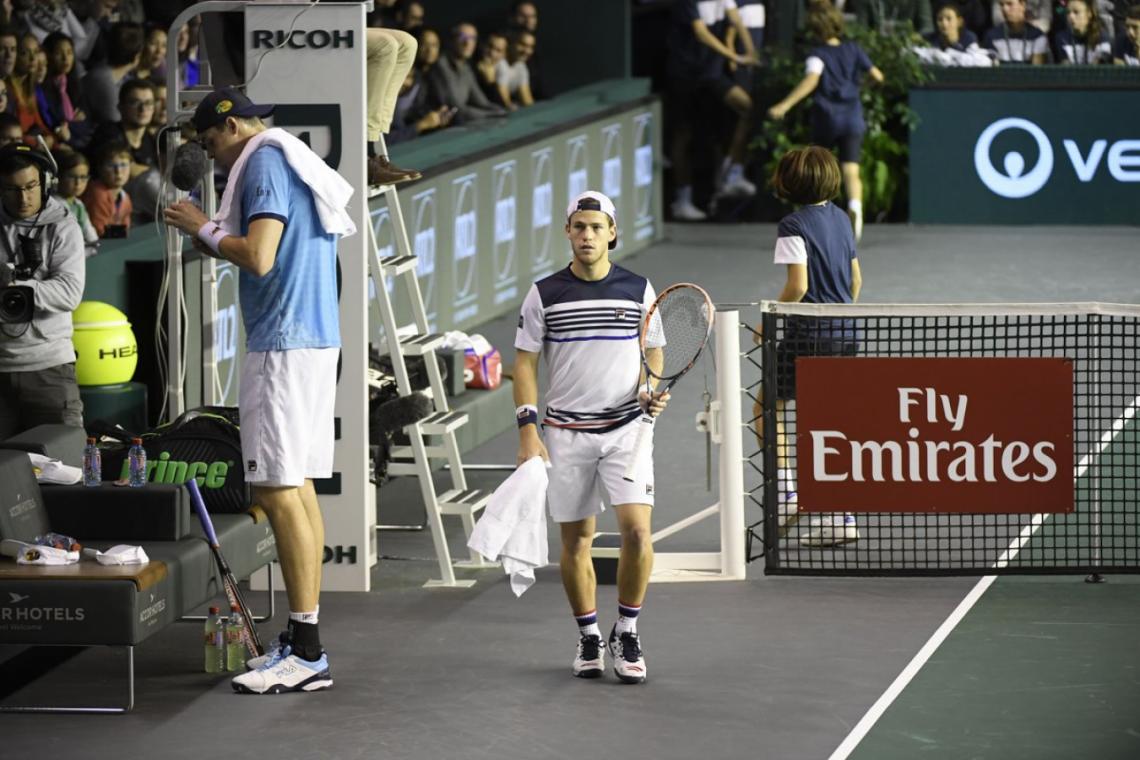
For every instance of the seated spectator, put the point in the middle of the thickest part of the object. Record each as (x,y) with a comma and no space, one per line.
(885,16)
(414,114)
(9,45)
(10,130)
(951,33)
(453,82)
(101,84)
(22,90)
(952,44)
(3,96)
(391,55)
(61,104)
(152,62)
(427,55)
(1017,41)
(524,15)
(74,173)
(106,200)
(409,16)
(487,68)
(512,74)
(136,104)
(697,80)
(1126,51)
(187,44)
(1038,14)
(1084,41)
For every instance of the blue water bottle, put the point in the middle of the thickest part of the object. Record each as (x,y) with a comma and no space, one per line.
(137,463)
(92,464)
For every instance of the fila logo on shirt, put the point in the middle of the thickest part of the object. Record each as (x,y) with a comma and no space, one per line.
(1123,160)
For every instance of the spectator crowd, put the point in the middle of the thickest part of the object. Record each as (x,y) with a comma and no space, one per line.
(88,79)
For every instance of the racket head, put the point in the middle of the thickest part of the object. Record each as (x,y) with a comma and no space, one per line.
(680,321)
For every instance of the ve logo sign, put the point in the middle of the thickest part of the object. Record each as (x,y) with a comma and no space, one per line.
(1122,160)
(1014,182)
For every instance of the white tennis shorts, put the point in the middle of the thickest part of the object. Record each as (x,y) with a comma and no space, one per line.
(587,467)
(286,403)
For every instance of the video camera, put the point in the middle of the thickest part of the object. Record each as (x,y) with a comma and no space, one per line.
(17,302)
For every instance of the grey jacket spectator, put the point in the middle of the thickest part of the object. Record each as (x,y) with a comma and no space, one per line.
(57,283)
(884,15)
(101,84)
(453,84)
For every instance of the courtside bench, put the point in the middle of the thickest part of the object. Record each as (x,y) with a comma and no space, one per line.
(87,604)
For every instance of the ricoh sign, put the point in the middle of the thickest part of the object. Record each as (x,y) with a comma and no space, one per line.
(1038,157)
(953,435)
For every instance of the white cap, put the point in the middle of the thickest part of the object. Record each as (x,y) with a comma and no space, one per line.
(592,200)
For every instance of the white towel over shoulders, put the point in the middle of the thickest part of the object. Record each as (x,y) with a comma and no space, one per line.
(330,190)
(513,525)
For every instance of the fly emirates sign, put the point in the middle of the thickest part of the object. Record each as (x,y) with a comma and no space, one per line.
(962,435)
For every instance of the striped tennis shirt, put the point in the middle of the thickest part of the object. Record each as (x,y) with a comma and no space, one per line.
(587,332)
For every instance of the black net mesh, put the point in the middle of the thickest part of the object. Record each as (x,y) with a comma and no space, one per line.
(1100,535)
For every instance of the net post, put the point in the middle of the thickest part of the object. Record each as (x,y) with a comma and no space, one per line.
(768,324)
(732,528)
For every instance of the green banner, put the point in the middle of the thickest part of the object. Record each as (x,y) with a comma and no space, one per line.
(1025,157)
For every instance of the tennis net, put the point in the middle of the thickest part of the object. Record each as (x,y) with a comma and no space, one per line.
(944,439)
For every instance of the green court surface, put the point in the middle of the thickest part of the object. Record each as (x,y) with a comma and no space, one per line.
(1041,667)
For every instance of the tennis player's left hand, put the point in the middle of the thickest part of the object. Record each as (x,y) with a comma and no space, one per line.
(653,405)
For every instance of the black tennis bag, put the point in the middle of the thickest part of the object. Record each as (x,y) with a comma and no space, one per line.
(203,443)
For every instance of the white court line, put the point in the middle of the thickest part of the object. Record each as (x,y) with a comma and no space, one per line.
(867,722)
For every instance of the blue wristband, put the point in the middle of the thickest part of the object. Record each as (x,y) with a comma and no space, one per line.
(526,415)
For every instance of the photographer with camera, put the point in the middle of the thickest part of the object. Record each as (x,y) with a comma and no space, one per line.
(42,274)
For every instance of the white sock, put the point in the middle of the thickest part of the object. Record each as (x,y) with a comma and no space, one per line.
(306,617)
(627,619)
(588,624)
(734,173)
(856,207)
(685,194)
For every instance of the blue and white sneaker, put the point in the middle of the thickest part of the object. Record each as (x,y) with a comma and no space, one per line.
(590,660)
(288,673)
(629,663)
(272,655)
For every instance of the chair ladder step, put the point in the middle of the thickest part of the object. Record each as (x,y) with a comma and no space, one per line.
(418,345)
(443,422)
(393,265)
(468,502)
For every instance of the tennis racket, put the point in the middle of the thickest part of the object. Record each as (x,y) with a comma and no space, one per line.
(673,334)
(229,582)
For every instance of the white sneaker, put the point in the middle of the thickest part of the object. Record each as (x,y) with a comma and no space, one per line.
(590,660)
(833,531)
(290,673)
(685,211)
(272,654)
(629,663)
(736,186)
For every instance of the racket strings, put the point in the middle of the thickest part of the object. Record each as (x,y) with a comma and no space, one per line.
(680,326)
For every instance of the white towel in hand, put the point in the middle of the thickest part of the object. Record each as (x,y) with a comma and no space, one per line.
(513,525)
(330,190)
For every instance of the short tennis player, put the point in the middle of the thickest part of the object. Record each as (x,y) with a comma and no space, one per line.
(584,320)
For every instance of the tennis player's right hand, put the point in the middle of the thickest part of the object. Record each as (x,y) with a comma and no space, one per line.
(530,445)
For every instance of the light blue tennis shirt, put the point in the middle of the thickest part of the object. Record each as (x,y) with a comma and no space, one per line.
(295,304)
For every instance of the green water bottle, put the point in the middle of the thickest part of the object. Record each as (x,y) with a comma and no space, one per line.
(215,643)
(235,640)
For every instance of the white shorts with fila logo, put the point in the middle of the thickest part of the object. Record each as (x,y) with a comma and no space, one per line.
(286,403)
(586,468)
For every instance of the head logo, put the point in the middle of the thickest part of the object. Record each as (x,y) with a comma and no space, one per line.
(1013,183)
(223,106)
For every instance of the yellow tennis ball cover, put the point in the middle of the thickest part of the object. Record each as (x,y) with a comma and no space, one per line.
(105,347)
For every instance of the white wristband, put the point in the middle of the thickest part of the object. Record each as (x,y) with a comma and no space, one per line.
(211,234)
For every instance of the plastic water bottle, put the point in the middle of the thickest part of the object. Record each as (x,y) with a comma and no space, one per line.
(92,464)
(58,541)
(235,640)
(137,467)
(215,643)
